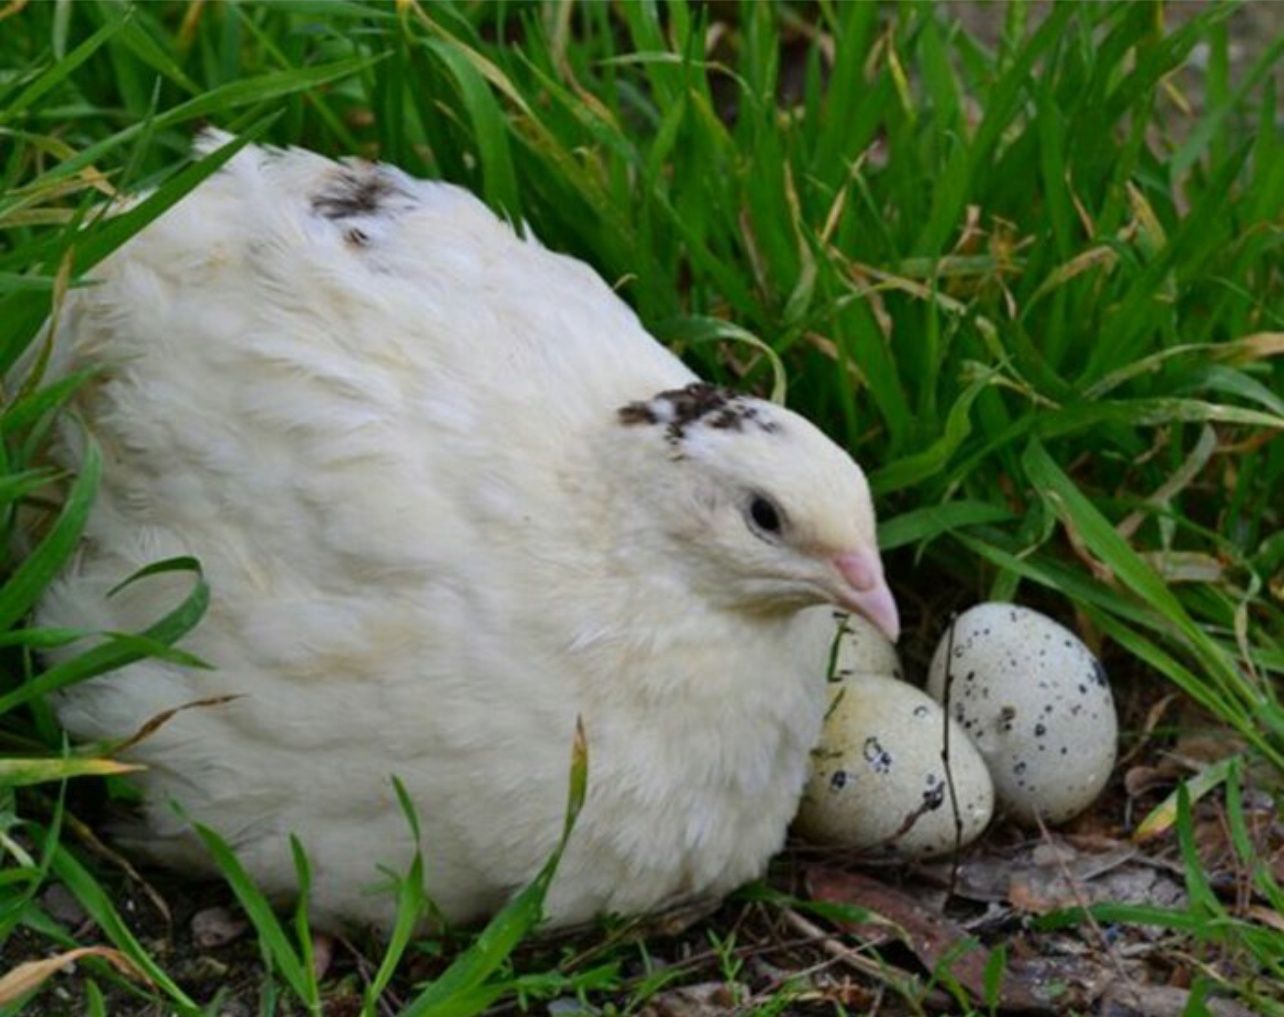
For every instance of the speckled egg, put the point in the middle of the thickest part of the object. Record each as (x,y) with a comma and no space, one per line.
(860,648)
(877,781)
(1037,704)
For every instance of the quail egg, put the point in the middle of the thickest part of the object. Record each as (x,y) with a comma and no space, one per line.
(1037,704)
(860,648)
(877,778)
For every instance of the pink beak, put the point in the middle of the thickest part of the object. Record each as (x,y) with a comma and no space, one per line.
(865,591)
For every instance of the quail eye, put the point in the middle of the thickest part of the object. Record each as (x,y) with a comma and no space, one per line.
(765,515)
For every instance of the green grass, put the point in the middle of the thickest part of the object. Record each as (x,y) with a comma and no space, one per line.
(1041,301)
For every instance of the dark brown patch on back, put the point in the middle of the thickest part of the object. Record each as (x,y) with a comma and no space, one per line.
(353,193)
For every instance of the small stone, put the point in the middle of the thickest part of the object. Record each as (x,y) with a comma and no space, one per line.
(60,904)
(216,926)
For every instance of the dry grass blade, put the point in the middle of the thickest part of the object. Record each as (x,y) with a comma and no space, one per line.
(1191,468)
(29,976)
(85,834)
(154,724)
(888,974)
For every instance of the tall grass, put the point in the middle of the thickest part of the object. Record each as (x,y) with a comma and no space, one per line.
(1036,287)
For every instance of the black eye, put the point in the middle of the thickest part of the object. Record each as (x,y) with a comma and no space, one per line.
(764,514)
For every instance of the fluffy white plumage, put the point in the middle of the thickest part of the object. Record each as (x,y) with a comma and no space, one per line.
(449,495)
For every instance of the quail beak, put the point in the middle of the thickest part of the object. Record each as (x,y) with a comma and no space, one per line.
(863,590)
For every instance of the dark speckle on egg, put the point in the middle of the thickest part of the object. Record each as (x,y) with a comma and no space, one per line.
(1040,730)
(921,710)
(838,781)
(879,759)
(1099,673)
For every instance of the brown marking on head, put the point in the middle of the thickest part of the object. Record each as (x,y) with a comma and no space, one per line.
(697,403)
(636,413)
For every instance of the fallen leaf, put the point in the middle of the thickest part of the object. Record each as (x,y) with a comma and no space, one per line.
(1092,842)
(1049,853)
(1038,892)
(1197,748)
(1123,999)
(1049,881)
(1033,985)
(1043,876)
